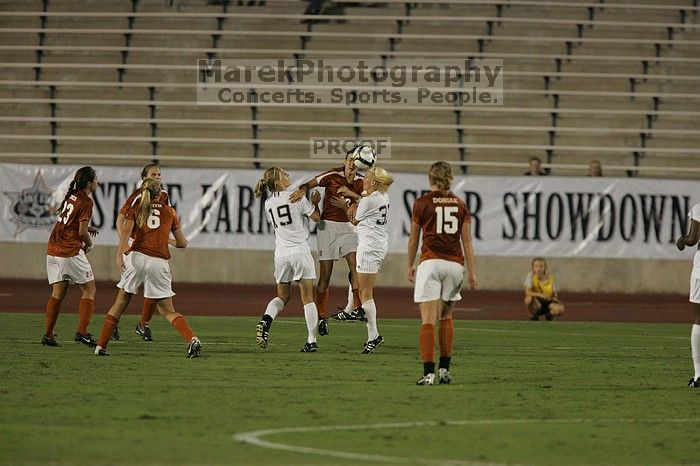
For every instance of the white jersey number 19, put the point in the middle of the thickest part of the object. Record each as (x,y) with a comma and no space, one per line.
(284,215)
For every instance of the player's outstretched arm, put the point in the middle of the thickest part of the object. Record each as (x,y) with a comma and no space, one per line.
(303,189)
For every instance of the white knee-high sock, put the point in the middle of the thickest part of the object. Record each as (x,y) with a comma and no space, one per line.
(695,348)
(371,314)
(351,300)
(274,307)
(311,316)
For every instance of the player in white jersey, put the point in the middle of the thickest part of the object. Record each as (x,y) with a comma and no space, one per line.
(293,260)
(370,216)
(690,240)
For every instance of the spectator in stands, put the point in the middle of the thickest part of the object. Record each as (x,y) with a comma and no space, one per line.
(595,168)
(541,293)
(535,167)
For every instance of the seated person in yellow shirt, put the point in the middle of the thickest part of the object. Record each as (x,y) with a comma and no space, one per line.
(541,292)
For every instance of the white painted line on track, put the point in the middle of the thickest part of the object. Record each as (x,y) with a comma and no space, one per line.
(255,437)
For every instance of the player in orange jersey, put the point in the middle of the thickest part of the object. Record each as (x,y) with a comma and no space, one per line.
(444,221)
(336,236)
(151,222)
(65,256)
(150,171)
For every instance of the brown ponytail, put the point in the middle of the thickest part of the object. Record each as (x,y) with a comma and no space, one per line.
(80,181)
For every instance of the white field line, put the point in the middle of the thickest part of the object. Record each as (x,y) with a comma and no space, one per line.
(256,437)
(514,331)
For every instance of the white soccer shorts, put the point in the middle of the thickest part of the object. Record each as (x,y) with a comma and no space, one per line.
(438,279)
(336,240)
(151,272)
(294,267)
(369,260)
(74,269)
(694,289)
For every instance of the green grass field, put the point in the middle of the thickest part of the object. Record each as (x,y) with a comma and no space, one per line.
(522,392)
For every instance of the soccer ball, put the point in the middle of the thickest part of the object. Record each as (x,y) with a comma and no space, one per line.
(364,157)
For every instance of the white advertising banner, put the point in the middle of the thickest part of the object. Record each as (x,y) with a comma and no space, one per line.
(512,216)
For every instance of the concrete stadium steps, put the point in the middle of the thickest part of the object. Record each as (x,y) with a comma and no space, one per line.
(182,130)
(175,23)
(263,42)
(80,22)
(630,141)
(85,56)
(125,94)
(24,110)
(534,29)
(340,114)
(204,150)
(76,74)
(204,112)
(96,39)
(552,12)
(24,128)
(161,58)
(170,40)
(620,49)
(674,122)
(103,129)
(99,147)
(102,111)
(19,38)
(523,46)
(343,43)
(602,121)
(112,6)
(411,135)
(606,66)
(19,21)
(604,102)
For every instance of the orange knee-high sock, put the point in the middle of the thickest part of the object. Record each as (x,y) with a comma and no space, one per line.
(322,303)
(427,342)
(53,308)
(85,310)
(357,302)
(149,308)
(107,328)
(182,327)
(445,334)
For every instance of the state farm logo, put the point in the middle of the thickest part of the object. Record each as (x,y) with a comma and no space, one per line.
(32,207)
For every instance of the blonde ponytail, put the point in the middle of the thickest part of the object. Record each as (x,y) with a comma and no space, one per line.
(149,189)
(441,175)
(269,181)
(382,178)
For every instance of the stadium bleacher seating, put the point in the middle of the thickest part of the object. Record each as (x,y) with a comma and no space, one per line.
(617,81)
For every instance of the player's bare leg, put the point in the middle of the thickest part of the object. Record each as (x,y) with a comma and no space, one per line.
(324,278)
(695,347)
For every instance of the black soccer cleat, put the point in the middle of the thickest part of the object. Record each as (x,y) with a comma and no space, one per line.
(323,327)
(548,315)
(194,348)
(309,348)
(144,331)
(115,334)
(372,344)
(694,382)
(85,339)
(444,376)
(49,341)
(262,333)
(345,316)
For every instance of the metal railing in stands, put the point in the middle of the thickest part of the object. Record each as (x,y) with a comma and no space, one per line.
(98,158)
(682,152)
(351,18)
(89,121)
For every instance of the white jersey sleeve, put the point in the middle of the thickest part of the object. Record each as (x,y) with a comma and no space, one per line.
(694,213)
(372,230)
(528,281)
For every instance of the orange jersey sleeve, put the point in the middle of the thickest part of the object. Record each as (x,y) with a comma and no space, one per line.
(151,238)
(65,237)
(441,218)
(332,180)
